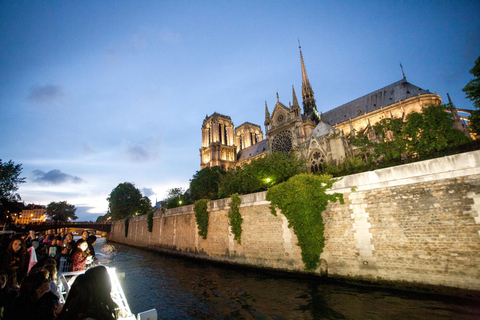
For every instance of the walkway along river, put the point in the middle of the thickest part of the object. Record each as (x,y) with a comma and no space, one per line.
(189,289)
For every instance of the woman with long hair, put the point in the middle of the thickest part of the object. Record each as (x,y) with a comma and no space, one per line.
(16,258)
(90,297)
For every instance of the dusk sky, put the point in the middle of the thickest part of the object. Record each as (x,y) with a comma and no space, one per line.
(96,93)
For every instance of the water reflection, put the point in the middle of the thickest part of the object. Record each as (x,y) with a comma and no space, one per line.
(188,289)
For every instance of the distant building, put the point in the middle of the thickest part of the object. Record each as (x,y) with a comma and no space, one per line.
(31,213)
(318,138)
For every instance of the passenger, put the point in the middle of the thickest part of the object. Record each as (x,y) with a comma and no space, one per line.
(85,235)
(7,296)
(30,238)
(69,240)
(53,249)
(29,305)
(91,240)
(16,258)
(89,297)
(81,256)
(52,269)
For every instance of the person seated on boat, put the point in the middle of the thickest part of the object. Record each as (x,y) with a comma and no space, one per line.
(69,240)
(90,298)
(7,295)
(29,305)
(81,256)
(16,258)
(52,269)
(52,249)
(91,240)
(85,235)
(31,236)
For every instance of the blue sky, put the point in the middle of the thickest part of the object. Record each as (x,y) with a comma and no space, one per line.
(96,93)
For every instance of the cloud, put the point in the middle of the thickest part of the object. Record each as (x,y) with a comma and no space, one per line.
(45,94)
(147,192)
(139,152)
(54,177)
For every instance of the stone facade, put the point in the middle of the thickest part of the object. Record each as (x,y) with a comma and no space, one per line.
(416,224)
(317,138)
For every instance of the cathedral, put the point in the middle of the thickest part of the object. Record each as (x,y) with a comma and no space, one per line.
(318,138)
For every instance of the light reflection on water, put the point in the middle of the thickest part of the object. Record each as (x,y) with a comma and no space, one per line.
(188,289)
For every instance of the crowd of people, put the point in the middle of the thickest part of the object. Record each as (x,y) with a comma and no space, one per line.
(28,278)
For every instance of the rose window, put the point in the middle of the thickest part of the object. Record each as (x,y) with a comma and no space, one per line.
(282,141)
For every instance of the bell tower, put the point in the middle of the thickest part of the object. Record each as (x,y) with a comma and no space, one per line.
(218,144)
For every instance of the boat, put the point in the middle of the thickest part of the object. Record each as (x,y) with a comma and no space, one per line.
(65,282)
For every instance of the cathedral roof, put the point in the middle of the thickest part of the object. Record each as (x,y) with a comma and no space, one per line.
(252,151)
(383,97)
(322,128)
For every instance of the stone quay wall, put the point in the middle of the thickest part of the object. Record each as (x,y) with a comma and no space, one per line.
(416,224)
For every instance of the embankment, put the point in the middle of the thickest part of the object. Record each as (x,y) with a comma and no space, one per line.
(415,224)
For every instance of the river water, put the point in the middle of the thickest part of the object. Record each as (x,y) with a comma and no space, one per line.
(189,289)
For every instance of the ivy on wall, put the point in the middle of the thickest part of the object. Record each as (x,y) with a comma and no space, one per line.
(235,218)
(127,221)
(201,215)
(302,199)
(150,220)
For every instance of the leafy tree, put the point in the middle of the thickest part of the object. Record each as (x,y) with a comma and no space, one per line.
(430,132)
(9,181)
(204,184)
(145,206)
(61,211)
(176,197)
(472,91)
(261,173)
(124,201)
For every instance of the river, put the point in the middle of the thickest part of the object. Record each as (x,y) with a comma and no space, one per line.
(188,289)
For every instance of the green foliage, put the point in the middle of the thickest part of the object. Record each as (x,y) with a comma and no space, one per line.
(127,222)
(150,221)
(145,206)
(201,215)
(348,166)
(302,199)
(422,136)
(260,174)
(235,218)
(9,181)
(176,197)
(428,133)
(61,211)
(124,201)
(204,184)
(472,91)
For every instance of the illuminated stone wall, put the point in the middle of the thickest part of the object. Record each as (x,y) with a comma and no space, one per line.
(417,223)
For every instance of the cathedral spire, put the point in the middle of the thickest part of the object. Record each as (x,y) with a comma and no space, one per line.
(309,106)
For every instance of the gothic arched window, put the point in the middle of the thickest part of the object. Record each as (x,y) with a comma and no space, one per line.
(316,161)
(282,141)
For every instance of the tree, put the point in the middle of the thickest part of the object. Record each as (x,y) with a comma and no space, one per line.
(472,91)
(61,211)
(9,181)
(124,201)
(261,173)
(204,184)
(431,132)
(176,197)
(145,206)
